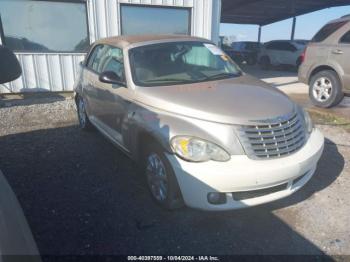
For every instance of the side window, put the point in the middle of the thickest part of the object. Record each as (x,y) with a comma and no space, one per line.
(289,47)
(91,64)
(112,60)
(279,46)
(274,46)
(345,38)
(270,46)
(101,54)
(327,30)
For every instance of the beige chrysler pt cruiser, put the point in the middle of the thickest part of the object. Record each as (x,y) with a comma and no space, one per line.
(205,134)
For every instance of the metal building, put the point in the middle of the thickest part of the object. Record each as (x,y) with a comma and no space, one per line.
(51,37)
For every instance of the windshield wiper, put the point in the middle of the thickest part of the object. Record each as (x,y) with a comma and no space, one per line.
(222,75)
(169,80)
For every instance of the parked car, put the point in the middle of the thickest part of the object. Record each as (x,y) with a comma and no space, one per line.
(16,239)
(281,52)
(245,52)
(204,133)
(326,64)
(303,42)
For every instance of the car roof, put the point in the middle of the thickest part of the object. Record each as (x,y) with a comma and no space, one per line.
(345,18)
(245,42)
(126,40)
(289,41)
(295,42)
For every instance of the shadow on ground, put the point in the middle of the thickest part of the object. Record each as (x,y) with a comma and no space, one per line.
(83,196)
(40,96)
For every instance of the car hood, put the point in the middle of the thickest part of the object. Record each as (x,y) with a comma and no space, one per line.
(238,100)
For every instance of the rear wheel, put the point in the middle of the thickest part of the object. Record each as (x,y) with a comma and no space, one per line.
(84,121)
(265,63)
(325,89)
(161,179)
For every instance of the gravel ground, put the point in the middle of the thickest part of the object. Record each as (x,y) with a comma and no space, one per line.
(35,116)
(83,196)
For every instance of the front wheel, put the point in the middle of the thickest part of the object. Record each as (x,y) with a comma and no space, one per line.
(161,179)
(325,89)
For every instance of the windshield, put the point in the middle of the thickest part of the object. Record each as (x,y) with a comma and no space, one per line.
(180,63)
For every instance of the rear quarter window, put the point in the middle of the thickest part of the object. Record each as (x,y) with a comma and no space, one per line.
(345,38)
(327,30)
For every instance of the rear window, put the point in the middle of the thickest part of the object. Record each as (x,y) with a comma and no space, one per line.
(327,30)
(252,46)
(346,38)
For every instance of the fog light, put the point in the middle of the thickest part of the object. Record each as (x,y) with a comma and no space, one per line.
(216,198)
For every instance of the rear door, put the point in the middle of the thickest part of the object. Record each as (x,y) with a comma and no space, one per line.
(289,53)
(341,54)
(274,51)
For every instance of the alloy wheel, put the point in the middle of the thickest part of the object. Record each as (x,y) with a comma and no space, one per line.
(157,177)
(322,89)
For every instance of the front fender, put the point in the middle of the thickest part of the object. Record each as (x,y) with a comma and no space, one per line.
(162,126)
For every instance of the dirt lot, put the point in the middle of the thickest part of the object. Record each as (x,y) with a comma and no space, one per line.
(83,196)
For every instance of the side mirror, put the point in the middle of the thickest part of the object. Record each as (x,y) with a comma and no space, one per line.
(10,68)
(110,77)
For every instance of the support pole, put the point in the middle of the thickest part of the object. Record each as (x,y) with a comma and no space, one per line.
(293,6)
(259,34)
(293,28)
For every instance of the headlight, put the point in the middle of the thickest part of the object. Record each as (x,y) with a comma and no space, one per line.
(198,150)
(308,122)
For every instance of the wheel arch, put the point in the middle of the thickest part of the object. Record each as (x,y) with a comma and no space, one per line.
(145,138)
(320,68)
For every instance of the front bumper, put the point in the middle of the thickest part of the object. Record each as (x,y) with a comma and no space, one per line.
(240,174)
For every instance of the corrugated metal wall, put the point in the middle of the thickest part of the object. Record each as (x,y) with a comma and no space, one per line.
(45,72)
(56,72)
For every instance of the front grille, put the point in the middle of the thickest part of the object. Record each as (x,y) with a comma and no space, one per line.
(276,138)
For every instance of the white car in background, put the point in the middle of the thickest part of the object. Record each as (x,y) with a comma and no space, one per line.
(282,52)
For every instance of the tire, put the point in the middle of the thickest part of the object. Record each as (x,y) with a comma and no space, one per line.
(325,89)
(251,60)
(171,197)
(265,63)
(84,121)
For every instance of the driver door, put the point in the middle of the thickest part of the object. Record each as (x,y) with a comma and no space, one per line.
(340,53)
(112,99)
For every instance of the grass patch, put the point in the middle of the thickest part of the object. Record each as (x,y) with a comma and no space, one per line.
(323,118)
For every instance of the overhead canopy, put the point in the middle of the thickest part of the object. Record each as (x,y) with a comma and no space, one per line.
(263,12)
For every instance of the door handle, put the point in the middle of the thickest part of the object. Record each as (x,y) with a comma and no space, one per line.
(337,52)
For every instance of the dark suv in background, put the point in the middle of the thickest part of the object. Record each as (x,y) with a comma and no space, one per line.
(246,51)
(326,64)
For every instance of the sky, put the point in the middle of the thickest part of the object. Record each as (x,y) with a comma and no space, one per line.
(306,26)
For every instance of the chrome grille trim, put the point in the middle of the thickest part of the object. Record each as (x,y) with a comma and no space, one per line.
(275,139)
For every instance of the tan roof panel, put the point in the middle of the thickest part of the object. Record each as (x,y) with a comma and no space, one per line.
(124,41)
